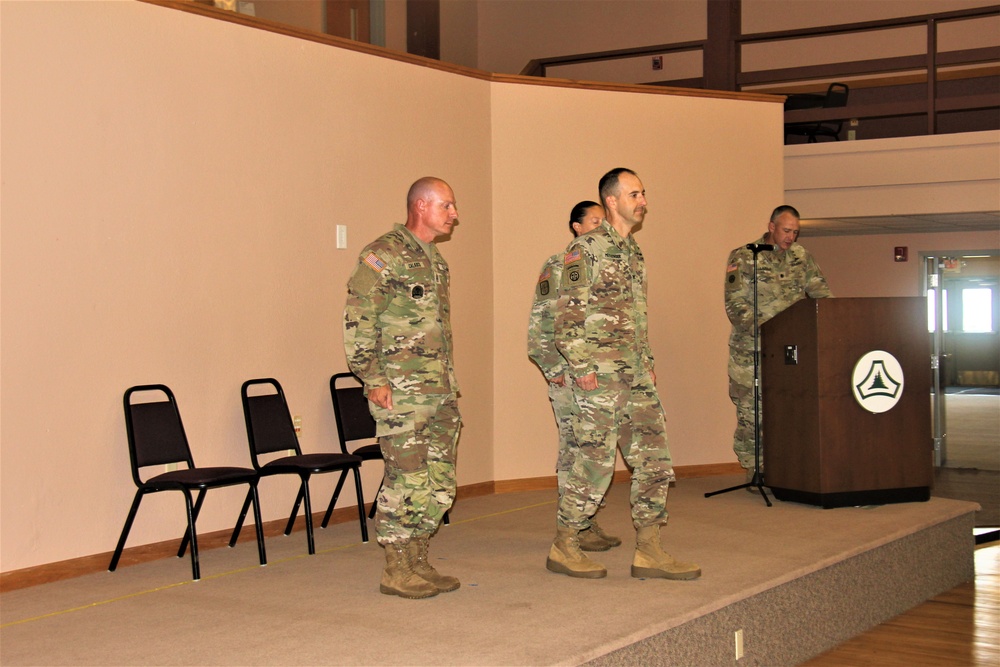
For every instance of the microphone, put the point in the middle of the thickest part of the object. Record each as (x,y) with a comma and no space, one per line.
(759,247)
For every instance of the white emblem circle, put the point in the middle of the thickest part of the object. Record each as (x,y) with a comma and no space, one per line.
(877,381)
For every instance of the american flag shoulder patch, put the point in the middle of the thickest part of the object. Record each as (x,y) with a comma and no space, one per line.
(731,267)
(572,256)
(546,274)
(373,261)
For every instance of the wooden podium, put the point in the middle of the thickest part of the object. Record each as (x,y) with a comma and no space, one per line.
(821,446)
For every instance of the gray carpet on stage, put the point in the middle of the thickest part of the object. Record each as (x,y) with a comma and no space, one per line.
(795,579)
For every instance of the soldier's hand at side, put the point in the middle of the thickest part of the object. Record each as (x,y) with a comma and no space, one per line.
(381,396)
(587,382)
(652,376)
(561,381)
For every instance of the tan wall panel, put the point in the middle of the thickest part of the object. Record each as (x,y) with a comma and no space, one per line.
(513,32)
(864,266)
(948,173)
(171,189)
(774,15)
(712,173)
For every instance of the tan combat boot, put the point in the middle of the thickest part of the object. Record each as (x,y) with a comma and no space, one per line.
(418,548)
(398,577)
(595,539)
(566,558)
(651,561)
(610,539)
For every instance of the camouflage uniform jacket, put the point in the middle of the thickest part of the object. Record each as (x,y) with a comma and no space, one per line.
(601,323)
(397,321)
(541,325)
(782,279)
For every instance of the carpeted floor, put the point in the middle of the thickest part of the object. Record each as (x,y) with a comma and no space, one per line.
(326,609)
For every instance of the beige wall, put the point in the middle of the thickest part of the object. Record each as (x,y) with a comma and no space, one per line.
(865,266)
(170,189)
(547,155)
(513,32)
(924,175)
(772,15)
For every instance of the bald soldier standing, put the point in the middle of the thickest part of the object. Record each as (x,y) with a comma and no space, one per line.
(397,337)
(601,331)
(784,275)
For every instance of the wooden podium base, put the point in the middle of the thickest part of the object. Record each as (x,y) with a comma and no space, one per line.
(854,498)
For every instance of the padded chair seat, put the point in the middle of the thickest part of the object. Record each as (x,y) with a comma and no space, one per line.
(197,477)
(322,462)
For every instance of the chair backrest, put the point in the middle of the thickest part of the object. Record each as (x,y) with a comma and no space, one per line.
(350,407)
(269,423)
(155,432)
(836,96)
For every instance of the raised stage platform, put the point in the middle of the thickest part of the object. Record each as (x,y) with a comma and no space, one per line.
(796,579)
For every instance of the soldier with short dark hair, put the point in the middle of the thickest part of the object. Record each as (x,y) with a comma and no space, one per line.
(397,337)
(784,275)
(584,217)
(601,331)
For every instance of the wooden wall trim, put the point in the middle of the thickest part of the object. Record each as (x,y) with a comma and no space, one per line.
(77,567)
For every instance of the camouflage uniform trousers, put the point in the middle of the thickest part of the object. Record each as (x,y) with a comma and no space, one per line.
(419,439)
(741,393)
(622,405)
(564,409)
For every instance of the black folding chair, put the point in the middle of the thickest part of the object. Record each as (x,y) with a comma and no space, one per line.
(156,437)
(269,430)
(836,96)
(355,422)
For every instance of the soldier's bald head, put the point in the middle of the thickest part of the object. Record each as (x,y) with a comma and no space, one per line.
(422,188)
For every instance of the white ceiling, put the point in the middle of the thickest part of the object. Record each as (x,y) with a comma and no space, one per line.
(896,224)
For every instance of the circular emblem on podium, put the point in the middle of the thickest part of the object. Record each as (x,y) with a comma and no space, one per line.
(877,381)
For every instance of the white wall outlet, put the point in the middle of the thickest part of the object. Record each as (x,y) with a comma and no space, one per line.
(341,236)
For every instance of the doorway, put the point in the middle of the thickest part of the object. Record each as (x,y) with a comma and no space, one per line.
(963,299)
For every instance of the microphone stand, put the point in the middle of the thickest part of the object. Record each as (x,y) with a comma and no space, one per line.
(758,477)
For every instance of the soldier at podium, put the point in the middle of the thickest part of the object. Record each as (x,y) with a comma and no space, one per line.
(785,274)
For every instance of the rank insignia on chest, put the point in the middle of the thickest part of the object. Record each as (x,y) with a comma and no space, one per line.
(373,261)
(417,292)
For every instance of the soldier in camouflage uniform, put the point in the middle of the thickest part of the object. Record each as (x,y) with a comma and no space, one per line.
(584,217)
(601,331)
(784,276)
(397,337)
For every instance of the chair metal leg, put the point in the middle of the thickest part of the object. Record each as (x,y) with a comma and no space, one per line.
(295,511)
(361,503)
(125,531)
(333,500)
(258,525)
(239,522)
(194,515)
(304,492)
